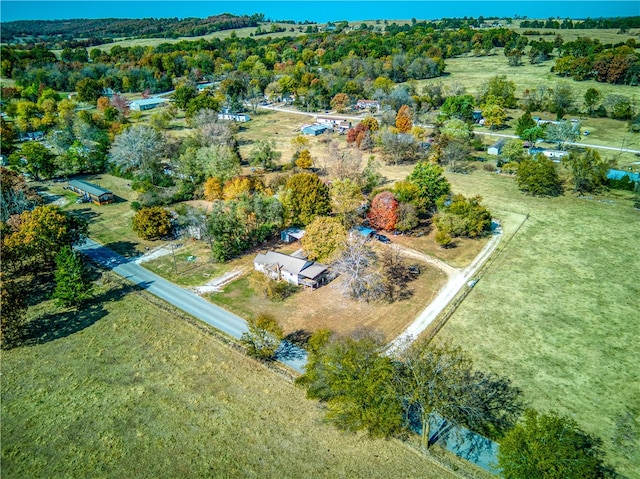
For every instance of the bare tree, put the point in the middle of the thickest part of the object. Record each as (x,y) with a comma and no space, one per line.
(139,149)
(343,164)
(360,281)
(440,379)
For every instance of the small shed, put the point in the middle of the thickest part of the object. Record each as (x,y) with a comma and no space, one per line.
(364,231)
(146,104)
(496,148)
(314,130)
(92,192)
(291,234)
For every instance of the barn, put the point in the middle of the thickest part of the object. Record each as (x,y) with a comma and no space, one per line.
(146,104)
(314,130)
(90,192)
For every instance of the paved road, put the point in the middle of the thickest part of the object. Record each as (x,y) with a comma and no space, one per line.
(584,145)
(185,300)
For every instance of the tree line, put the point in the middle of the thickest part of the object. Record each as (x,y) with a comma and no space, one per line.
(59,30)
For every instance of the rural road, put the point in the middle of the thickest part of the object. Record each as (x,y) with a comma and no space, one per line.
(489,133)
(185,300)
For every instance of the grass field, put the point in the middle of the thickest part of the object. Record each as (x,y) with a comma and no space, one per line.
(557,311)
(135,392)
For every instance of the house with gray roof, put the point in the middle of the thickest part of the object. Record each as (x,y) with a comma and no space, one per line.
(293,270)
(90,192)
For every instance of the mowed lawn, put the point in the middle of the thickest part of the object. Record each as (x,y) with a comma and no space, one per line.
(557,311)
(139,393)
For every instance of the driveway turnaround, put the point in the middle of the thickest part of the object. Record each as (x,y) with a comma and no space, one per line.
(187,301)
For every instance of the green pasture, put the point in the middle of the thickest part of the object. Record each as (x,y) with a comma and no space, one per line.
(126,389)
(557,310)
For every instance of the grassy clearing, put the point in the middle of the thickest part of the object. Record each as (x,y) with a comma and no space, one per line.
(325,307)
(139,393)
(472,71)
(605,35)
(557,310)
(108,224)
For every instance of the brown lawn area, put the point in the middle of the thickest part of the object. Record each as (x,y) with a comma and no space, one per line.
(326,307)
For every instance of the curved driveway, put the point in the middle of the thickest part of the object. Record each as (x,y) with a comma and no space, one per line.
(187,301)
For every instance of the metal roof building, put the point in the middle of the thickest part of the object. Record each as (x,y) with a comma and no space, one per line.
(90,191)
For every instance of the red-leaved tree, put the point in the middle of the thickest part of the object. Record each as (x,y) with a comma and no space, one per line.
(383,212)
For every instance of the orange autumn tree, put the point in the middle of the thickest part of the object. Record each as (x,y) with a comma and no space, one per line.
(383,212)
(403,119)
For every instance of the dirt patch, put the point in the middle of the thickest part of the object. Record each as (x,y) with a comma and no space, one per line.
(203,204)
(217,284)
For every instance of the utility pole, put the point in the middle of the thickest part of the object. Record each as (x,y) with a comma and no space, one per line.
(175,266)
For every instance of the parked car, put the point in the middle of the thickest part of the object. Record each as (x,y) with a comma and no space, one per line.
(381,238)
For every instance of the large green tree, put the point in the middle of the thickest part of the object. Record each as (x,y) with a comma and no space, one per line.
(588,170)
(538,176)
(152,223)
(305,197)
(357,384)
(324,238)
(72,286)
(550,446)
(38,161)
(431,183)
(264,155)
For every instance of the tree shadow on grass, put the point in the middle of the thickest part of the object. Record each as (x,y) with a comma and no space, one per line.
(299,337)
(287,350)
(86,214)
(56,325)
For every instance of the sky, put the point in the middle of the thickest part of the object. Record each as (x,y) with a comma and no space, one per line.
(314,10)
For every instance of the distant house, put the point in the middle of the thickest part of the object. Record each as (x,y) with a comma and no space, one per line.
(555,155)
(496,148)
(146,104)
(314,130)
(327,120)
(367,104)
(240,117)
(296,271)
(291,234)
(90,192)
